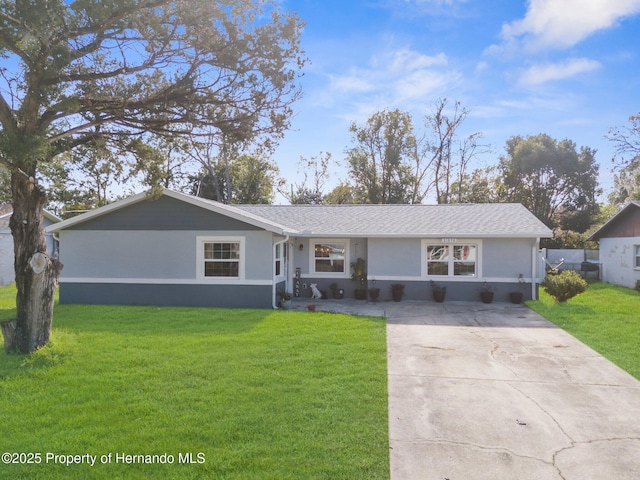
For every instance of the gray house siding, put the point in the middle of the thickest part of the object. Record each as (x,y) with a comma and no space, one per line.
(150,255)
(500,263)
(134,267)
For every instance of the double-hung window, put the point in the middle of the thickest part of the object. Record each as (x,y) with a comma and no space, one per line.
(451,260)
(279,256)
(636,249)
(220,258)
(329,257)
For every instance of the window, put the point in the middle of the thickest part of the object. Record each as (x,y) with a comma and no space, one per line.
(459,260)
(220,258)
(637,256)
(329,257)
(278,260)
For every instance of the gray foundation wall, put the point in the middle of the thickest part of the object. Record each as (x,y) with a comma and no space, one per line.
(227,296)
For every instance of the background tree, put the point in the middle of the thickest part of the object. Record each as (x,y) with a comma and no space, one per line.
(341,194)
(627,141)
(82,179)
(380,165)
(245,179)
(444,156)
(5,185)
(626,183)
(77,71)
(478,186)
(310,191)
(552,179)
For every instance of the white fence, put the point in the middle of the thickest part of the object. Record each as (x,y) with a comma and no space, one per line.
(572,259)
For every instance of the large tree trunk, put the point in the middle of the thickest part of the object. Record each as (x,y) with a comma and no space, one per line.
(36,272)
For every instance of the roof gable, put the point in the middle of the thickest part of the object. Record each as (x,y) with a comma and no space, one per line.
(171,211)
(625,223)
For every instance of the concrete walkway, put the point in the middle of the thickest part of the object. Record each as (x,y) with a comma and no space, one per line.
(496,392)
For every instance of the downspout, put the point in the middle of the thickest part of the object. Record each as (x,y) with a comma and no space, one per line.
(534,268)
(274,303)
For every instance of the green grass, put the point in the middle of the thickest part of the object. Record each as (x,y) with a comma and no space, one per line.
(606,317)
(8,296)
(261,394)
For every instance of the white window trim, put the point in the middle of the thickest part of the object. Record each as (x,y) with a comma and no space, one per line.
(200,241)
(451,277)
(312,258)
(636,255)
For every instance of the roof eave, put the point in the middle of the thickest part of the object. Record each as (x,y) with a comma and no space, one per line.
(597,235)
(548,234)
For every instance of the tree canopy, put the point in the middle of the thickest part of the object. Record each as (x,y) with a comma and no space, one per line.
(116,71)
(554,180)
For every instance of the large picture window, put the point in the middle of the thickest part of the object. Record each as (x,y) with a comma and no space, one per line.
(329,257)
(220,258)
(458,260)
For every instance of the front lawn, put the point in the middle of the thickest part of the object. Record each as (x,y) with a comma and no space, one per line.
(606,317)
(250,394)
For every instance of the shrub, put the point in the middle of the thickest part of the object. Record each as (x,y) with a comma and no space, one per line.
(564,286)
(638,285)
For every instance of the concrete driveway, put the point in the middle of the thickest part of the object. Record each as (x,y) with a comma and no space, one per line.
(497,392)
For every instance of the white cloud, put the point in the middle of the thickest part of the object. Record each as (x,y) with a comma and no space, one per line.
(560,24)
(397,78)
(538,74)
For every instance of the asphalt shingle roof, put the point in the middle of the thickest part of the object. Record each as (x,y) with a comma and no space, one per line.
(455,220)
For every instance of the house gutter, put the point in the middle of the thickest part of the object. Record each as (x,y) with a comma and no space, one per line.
(274,303)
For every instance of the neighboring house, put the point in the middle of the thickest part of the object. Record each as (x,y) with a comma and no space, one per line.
(7,269)
(184,250)
(620,247)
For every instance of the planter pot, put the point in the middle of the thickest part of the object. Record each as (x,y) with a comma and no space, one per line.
(439,296)
(374,293)
(516,297)
(486,297)
(360,294)
(311,308)
(338,294)
(397,292)
(286,304)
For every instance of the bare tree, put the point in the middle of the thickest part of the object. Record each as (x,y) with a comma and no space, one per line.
(443,157)
(627,142)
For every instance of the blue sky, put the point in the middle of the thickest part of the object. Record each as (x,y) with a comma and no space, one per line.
(567,68)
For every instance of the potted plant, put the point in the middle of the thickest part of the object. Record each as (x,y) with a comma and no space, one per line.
(285,299)
(486,293)
(336,292)
(516,295)
(359,275)
(439,292)
(397,291)
(374,293)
